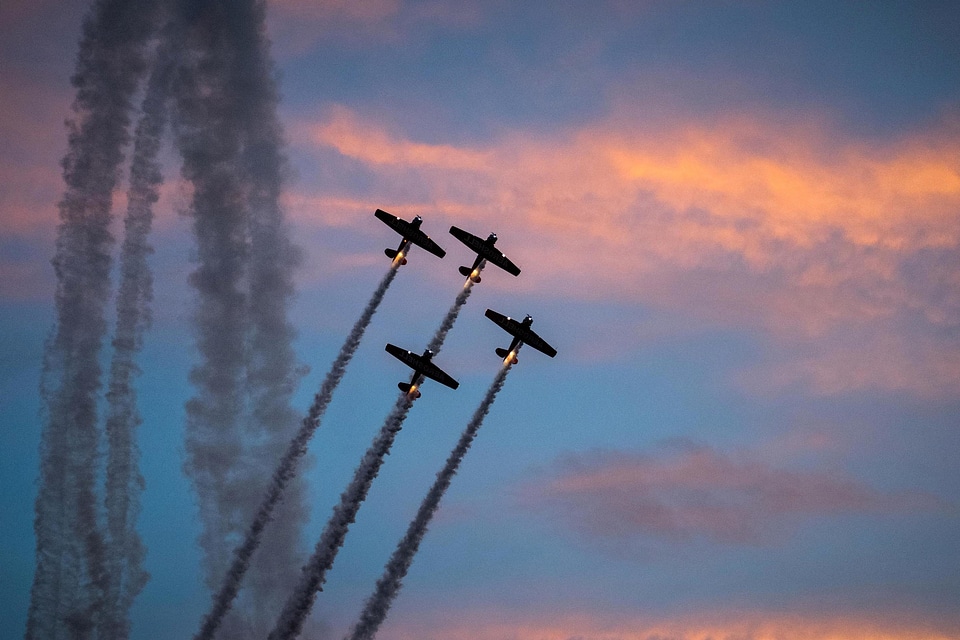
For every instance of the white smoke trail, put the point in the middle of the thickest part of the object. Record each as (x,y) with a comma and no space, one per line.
(388,586)
(313,574)
(70,581)
(287,468)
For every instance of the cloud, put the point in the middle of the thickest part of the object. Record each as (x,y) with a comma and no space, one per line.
(728,625)
(697,493)
(299,25)
(32,142)
(753,222)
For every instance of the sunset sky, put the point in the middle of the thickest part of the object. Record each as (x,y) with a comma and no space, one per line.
(738,223)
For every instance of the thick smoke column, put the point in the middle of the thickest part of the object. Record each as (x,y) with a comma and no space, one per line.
(287,468)
(378,605)
(207,128)
(230,139)
(123,480)
(272,373)
(71,578)
(313,574)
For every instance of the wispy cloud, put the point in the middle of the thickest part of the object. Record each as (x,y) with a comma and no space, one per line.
(752,222)
(698,493)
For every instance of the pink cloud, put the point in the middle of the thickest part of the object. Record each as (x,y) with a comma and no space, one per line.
(699,493)
(32,142)
(491,624)
(751,221)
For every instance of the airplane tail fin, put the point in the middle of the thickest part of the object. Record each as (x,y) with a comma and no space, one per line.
(468,272)
(392,254)
(502,352)
(406,387)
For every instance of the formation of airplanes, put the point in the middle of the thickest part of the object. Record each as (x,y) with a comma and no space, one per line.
(422,364)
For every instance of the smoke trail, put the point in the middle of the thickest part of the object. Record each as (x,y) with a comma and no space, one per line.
(208,132)
(110,63)
(123,480)
(378,605)
(437,342)
(240,417)
(272,376)
(313,574)
(287,468)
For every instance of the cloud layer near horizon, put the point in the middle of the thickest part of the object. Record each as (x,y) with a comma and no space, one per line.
(742,625)
(786,228)
(697,493)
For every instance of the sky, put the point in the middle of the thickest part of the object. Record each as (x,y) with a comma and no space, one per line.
(738,223)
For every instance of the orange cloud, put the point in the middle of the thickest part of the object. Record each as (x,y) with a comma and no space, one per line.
(700,493)
(748,222)
(348,135)
(740,625)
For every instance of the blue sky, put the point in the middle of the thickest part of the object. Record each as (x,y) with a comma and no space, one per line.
(738,223)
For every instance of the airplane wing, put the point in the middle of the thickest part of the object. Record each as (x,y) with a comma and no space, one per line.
(509,325)
(531,339)
(485,250)
(399,225)
(434,372)
(468,239)
(502,261)
(409,358)
(421,239)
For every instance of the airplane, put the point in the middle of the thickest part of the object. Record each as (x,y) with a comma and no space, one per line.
(522,334)
(422,367)
(485,253)
(410,231)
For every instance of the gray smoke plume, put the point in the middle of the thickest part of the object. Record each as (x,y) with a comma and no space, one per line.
(70,581)
(388,586)
(208,134)
(135,292)
(272,374)
(240,419)
(287,468)
(313,574)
